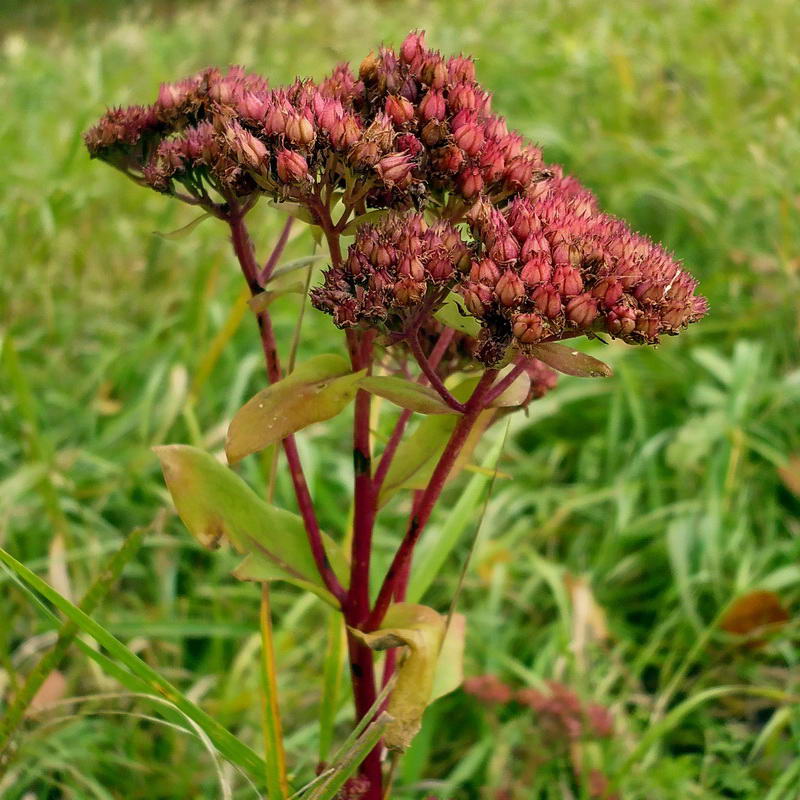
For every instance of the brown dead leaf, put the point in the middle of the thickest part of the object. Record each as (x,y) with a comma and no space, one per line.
(790,474)
(755,612)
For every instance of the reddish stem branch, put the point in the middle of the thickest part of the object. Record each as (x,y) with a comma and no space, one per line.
(430,373)
(280,245)
(503,384)
(243,247)
(402,557)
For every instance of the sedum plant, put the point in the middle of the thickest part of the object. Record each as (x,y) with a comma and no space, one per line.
(458,260)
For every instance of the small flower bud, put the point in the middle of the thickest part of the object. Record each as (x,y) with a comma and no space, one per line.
(399,110)
(408,143)
(291,166)
(395,169)
(477,298)
(608,291)
(485,272)
(647,326)
(368,69)
(434,132)
(504,249)
(364,153)
(411,267)
(518,173)
(412,47)
(537,270)
(274,120)
(432,106)
(582,310)
(299,130)
(509,289)
(345,132)
(461,97)
(440,268)
(407,291)
(528,328)
(470,182)
(534,246)
(461,69)
(547,299)
(621,320)
(495,128)
(249,150)
(434,72)
(469,138)
(568,281)
(448,159)
(493,162)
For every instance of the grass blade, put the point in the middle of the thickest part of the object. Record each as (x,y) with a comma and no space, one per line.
(148,680)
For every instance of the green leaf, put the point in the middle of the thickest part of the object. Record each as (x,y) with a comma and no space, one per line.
(421,629)
(517,393)
(453,315)
(180,233)
(569,361)
(294,210)
(293,266)
(370,218)
(215,503)
(317,390)
(142,677)
(406,394)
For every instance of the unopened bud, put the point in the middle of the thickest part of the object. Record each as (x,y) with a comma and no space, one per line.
(621,320)
(399,110)
(432,106)
(477,298)
(608,291)
(411,267)
(395,169)
(547,299)
(528,328)
(537,270)
(299,130)
(369,67)
(440,268)
(461,97)
(470,182)
(582,310)
(485,272)
(407,291)
(448,159)
(345,132)
(568,281)
(504,249)
(509,289)
(413,46)
(291,166)
(469,138)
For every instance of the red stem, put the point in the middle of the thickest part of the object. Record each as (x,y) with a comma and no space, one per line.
(272,261)
(503,384)
(243,247)
(402,557)
(430,373)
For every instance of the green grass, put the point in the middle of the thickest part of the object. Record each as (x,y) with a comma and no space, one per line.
(660,487)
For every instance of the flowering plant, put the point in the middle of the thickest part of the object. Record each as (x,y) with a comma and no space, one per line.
(468,259)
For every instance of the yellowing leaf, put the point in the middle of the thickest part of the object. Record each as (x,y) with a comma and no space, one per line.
(317,390)
(450,666)
(215,504)
(570,361)
(517,393)
(421,629)
(406,394)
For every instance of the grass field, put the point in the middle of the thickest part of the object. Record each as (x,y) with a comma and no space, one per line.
(640,507)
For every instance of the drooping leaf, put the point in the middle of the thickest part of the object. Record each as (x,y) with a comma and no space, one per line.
(406,394)
(317,390)
(180,233)
(450,665)
(421,629)
(517,393)
(215,504)
(452,314)
(569,361)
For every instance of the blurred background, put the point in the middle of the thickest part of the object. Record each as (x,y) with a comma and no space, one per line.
(641,507)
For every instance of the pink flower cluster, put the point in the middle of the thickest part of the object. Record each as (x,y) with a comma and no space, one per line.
(394,273)
(548,266)
(411,127)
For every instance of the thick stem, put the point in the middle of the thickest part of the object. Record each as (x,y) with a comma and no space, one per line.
(243,247)
(402,557)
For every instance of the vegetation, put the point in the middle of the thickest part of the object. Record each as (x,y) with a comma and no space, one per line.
(640,508)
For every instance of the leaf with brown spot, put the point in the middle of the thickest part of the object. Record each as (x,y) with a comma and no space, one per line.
(317,390)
